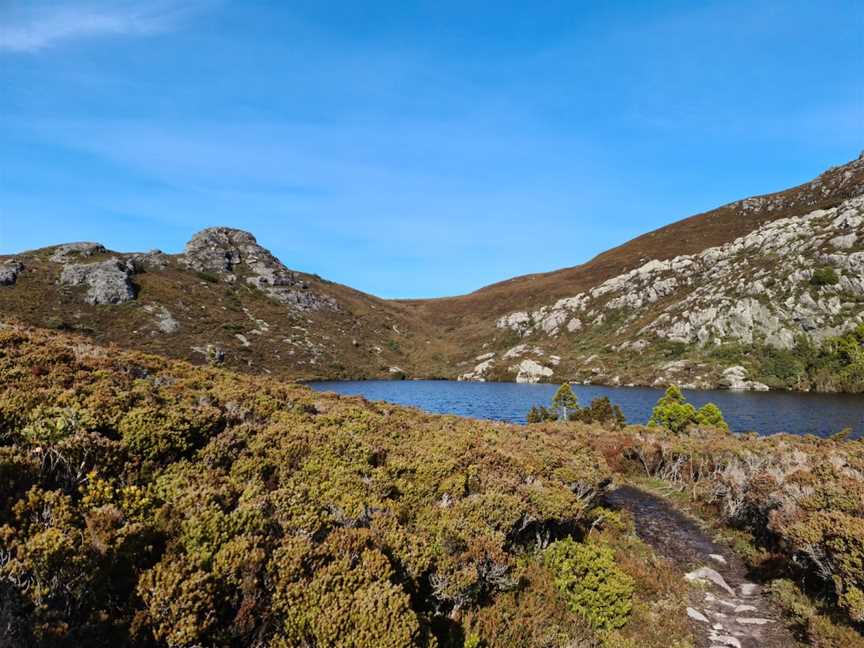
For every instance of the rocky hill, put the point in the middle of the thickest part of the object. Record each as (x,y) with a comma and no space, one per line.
(751,295)
(744,296)
(792,282)
(224,300)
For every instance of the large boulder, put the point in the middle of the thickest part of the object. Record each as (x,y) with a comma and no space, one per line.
(107,282)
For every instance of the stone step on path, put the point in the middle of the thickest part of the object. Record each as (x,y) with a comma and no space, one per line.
(733,618)
(726,609)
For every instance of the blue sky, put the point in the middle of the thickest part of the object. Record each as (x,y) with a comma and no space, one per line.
(413,148)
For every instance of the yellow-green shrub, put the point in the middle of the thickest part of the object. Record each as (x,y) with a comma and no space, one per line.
(590,581)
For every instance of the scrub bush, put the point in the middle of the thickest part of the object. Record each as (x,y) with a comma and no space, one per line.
(592,584)
(146,502)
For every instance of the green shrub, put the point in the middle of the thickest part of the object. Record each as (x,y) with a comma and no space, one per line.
(166,433)
(539,413)
(56,323)
(674,413)
(826,276)
(837,364)
(592,584)
(601,410)
(834,542)
(819,629)
(149,502)
(473,641)
(781,367)
(711,416)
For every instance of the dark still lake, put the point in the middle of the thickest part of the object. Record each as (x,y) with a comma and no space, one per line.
(762,412)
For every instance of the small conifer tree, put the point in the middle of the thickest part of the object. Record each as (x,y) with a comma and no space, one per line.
(564,400)
(711,416)
(672,411)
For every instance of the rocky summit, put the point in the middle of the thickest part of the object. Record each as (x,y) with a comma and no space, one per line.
(753,295)
(234,253)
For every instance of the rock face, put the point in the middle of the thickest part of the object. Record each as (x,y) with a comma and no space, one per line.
(234,253)
(152,260)
(9,272)
(107,281)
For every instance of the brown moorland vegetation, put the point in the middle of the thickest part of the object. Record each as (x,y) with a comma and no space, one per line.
(148,502)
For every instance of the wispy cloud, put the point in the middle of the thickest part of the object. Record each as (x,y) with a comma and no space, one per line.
(37,26)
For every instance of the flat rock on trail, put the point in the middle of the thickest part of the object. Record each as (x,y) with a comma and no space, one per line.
(726,609)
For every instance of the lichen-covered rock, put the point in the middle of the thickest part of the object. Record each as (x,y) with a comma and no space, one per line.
(165,322)
(232,253)
(154,259)
(9,272)
(107,282)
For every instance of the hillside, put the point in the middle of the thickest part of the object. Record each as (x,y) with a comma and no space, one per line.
(749,295)
(731,290)
(225,300)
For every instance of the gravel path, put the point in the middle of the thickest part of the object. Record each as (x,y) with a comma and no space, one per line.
(726,609)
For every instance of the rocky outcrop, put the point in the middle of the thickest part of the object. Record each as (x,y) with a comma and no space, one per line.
(235,254)
(219,249)
(107,282)
(486,362)
(9,272)
(526,370)
(70,251)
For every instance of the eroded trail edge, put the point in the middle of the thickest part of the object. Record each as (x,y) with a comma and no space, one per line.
(726,609)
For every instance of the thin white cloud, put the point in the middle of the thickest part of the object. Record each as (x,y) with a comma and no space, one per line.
(37,26)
